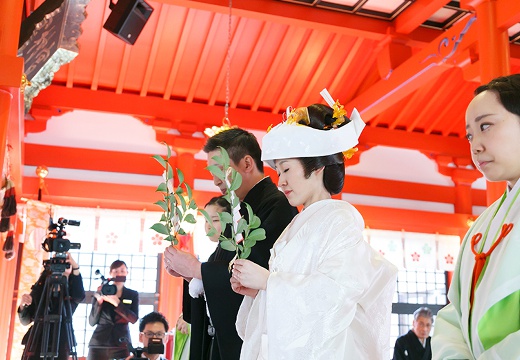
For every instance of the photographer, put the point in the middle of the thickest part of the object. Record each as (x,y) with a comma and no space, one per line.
(111,314)
(152,333)
(29,305)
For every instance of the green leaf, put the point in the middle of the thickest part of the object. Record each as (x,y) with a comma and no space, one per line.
(183,203)
(227,196)
(250,214)
(163,217)
(206,215)
(255,222)
(192,205)
(225,217)
(179,191)
(161,188)
(236,202)
(160,228)
(216,171)
(160,159)
(189,193)
(181,231)
(172,199)
(227,245)
(244,254)
(190,219)
(240,247)
(225,157)
(237,181)
(249,243)
(169,238)
(162,204)
(257,234)
(169,172)
(178,212)
(212,231)
(218,158)
(180,175)
(242,225)
(168,151)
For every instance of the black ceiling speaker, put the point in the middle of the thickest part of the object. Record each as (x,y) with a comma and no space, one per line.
(127,19)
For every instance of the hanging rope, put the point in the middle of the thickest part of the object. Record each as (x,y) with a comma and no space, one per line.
(228,67)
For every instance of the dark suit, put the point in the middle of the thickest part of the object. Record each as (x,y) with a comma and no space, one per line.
(112,324)
(26,315)
(408,347)
(275,213)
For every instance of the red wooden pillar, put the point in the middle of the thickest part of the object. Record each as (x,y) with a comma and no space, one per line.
(11,71)
(494,56)
(186,148)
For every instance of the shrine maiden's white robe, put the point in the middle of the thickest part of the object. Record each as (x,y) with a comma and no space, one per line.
(492,330)
(329,294)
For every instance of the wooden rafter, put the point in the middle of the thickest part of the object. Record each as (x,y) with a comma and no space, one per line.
(204,57)
(162,12)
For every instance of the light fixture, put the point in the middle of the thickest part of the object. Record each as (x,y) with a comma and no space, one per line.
(42,171)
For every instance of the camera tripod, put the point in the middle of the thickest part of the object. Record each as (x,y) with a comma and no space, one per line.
(53,314)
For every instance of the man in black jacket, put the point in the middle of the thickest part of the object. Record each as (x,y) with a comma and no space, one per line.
(28,310)
(415,345)
(275,213)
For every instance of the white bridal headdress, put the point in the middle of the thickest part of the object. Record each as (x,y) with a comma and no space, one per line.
(293,140)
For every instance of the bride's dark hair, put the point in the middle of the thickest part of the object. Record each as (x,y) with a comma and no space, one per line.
(334,165)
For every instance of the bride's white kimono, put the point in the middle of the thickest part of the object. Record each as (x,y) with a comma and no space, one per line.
(493,331)
(329,294)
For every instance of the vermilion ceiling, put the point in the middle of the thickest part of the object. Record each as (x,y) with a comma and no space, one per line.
(409,67)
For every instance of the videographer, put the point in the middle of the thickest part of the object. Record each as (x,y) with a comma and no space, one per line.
(29,305)
(112,313)
(153,328)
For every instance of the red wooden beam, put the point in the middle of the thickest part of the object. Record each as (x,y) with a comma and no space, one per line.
(305,16)
(414,221)
(426,65)
(174,114)
(89,159)
(416,14)
(132,163)
(117,196)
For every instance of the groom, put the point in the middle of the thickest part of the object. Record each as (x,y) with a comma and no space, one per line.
(275,213)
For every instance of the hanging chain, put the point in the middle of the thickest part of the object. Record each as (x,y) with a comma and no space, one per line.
(228,66)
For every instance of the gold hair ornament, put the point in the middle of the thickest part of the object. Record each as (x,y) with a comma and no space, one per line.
(338,114)
(214,130)
(350,152)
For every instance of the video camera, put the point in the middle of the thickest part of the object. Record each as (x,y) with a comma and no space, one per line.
(107,285)
(55,241)
(155,346)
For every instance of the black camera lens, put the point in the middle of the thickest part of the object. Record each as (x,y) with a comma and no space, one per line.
(108,289)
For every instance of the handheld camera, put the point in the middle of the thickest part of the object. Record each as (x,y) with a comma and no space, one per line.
(155,346)
(107,285)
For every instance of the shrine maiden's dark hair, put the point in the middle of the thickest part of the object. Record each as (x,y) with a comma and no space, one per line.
(508,90)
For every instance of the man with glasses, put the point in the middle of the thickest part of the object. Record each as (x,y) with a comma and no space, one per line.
(152,326)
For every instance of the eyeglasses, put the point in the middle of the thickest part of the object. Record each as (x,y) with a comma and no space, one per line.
(150,334)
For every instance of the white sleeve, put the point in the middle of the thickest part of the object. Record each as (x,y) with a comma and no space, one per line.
(448,343)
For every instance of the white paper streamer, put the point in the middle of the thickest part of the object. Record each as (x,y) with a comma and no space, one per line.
(327,97)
